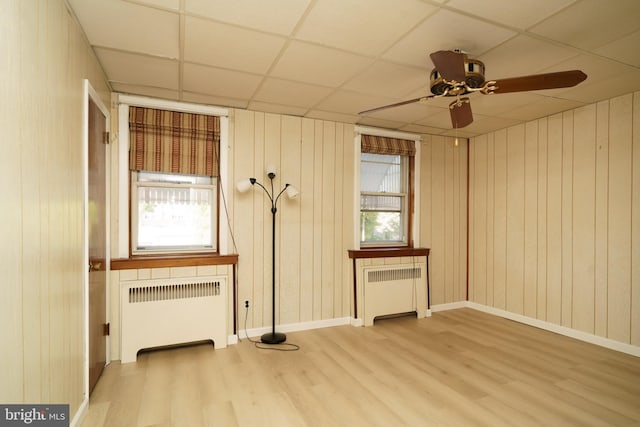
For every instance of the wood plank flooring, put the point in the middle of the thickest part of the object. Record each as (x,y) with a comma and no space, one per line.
(456,368)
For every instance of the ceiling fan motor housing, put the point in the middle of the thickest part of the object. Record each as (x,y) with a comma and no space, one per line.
(474,78)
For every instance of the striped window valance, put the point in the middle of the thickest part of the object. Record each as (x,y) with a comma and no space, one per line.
(173,142)
(384,145)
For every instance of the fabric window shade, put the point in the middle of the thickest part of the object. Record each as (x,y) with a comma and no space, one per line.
(384,145)
(173,142)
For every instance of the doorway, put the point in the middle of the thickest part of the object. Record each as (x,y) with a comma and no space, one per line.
(97,236)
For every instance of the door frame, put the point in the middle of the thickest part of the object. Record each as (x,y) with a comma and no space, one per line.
(91,94)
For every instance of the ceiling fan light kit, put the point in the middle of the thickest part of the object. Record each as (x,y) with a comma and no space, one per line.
(456,75)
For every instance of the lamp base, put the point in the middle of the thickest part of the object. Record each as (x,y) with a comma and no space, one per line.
(273,338)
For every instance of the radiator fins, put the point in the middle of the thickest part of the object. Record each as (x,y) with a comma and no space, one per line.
(376,276)
(173,291)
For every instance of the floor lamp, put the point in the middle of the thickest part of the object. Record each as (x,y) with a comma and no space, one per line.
(243,185)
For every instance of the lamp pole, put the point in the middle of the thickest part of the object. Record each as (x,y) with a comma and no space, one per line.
(272,337)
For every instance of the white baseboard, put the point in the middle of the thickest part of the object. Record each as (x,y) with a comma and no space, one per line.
(448,306)
(562,330)
(552,327)
(80,413)
(294,327)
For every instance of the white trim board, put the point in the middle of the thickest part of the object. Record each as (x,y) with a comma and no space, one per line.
(547,326)
(294,327)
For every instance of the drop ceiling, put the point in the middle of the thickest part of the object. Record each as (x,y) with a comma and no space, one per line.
(330,59)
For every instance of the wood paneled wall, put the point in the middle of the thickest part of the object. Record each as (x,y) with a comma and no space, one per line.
(313,231)
(443,214)
(555,219)
(43,63)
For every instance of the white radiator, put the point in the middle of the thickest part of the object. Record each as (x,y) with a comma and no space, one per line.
(172,311)
(394,289)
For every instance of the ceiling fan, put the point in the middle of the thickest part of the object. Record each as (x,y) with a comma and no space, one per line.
(456,75)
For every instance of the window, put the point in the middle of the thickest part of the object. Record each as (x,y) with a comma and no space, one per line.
(386,191)
(383,199)
(172,213)
(174,163)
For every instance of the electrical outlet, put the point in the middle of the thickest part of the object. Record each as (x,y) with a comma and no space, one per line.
(246,303)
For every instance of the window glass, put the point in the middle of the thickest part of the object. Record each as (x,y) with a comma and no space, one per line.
(173,213)
(383,199)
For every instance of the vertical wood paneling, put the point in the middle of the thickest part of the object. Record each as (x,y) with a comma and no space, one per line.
(554,219)
(500,220)
(289,211)
(243,167)
(479,253)
(561,198)
(271,141)
(317,218)
(635,225)
(515,219)
(567,218)
(584,167)
(450,196)
(620,178)
(472,238)
(12,350)
(307,207)
(326,219)
(490,218)
(42,216)
(437,257)
(530,291)
(541,285)
(601,219)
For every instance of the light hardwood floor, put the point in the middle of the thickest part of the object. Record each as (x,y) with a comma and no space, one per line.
(456,368)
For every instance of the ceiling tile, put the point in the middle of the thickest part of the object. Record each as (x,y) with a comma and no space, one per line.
(244,50)
(368,27)
(315,64)
(140,70)
(127,26)
(590,24)
(275,16)
(522,56)
(276,109)
(201,98)
(406,113)
(343,101)
(387,79)
(145,91)
(334,117)
(218,82)
(620,51)
(498,104)
(421,129)
(290,93)
(542,106)
(519,14)
(446,30)
(165,4)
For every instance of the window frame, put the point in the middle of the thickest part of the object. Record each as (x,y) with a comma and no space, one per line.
(172,250)
(123,236)
(413,195)
(404,194)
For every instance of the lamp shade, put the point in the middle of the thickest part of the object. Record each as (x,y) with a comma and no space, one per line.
(292,192)
(243,185)
(271,169)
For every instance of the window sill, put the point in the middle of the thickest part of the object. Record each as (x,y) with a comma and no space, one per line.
(172,261)
(387,252)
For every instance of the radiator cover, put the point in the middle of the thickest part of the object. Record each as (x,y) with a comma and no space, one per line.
(164,312)
(394,289)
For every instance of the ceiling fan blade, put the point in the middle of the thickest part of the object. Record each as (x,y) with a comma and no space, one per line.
(538,82)
(450,64)
(461,114)
(397,104)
